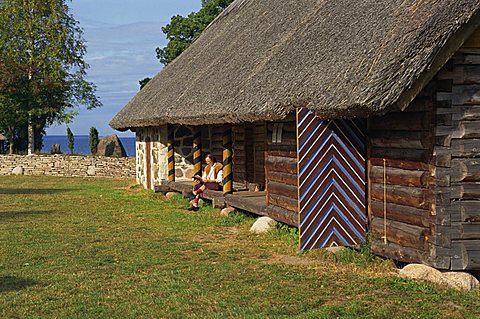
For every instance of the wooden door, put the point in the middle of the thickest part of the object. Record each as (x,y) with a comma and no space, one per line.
(332,181)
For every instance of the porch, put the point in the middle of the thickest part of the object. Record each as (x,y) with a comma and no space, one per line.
(241,198)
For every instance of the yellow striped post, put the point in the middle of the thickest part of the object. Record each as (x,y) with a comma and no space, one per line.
(227,159)
(171,154)
(197,150)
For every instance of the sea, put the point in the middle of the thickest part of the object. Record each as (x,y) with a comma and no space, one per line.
(81,145)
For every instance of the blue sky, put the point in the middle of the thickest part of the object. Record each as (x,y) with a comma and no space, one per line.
(121,39)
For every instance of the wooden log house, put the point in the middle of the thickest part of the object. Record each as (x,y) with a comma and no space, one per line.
(349,132)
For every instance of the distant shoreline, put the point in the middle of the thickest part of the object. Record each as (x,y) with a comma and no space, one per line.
(81,144)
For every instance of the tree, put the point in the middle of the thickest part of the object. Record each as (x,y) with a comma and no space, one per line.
(41,46)
(93,140)
(71,140)
(182,31)
(144,82)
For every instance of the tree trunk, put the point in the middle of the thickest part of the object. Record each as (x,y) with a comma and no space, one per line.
(31,136)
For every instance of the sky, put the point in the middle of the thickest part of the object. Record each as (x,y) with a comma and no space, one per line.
(121,37)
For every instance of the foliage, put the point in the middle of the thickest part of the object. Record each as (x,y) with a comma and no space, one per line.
(42,71)
(71,140)
(144,82)
(93,140)
(122,253)
(182,31)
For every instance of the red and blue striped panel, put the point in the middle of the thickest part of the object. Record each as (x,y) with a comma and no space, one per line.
(331,181)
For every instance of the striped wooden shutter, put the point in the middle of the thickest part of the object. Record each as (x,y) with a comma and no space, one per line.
(331,181)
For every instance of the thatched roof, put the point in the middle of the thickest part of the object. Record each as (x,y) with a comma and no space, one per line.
(341,58)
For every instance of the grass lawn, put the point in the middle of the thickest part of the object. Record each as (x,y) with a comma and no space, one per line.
(102,248)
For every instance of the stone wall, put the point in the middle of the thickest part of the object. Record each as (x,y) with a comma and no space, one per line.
(157,138)
(66,165)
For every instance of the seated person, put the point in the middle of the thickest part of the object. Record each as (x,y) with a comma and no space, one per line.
(212,179)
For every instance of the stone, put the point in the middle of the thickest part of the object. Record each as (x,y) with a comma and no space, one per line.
(422,273)
(189,172)
(456,280)
(178,159)
(18,171)
(178,173)
(110,146)
(460,280)
(227,211)
(335,249)
(263,225)
(55,149)
(91,171)
(170,195)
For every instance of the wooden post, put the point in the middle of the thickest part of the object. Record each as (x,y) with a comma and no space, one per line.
(227,159)
(171,154)
(197,150)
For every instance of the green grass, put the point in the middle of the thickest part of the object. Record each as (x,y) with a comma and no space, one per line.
(100,248)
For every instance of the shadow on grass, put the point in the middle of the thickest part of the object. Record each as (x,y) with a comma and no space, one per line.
(19,215)
(31,191)
(12,283)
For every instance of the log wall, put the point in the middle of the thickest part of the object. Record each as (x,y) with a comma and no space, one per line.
(401,176)
(432,160)
(457,151)
(281,173)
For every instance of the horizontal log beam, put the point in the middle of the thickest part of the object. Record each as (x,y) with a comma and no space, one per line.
(281,164)
(282,215)
(404,214)
(283,190)
(397,176)
(283,202)
(401,234)
(403,195)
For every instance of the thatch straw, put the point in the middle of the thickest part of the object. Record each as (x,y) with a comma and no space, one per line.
(261,59)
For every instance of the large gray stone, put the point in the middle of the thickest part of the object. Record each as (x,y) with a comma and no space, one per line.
(91,171)
(55,149)
(18,171)
(110,146)
(460,280)
(263,225)
(456,280)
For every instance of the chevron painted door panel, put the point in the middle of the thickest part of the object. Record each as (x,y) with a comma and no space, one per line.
(332,181)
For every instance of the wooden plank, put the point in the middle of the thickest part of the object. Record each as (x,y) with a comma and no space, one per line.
(397,176)
(403,164)
(282,153)
(465,211)
(282,215)
(465,191)
(465,147)
(473,41)
(466,255)
(463,95)
(414,121)
(442,156)
(403,195)
(465,170)
(281,164)
(401,154)
(283,178)
(400,233)
(399,252)
(283,202)
(400,139)
(404,214)
(467,57)
(283,189)
(256,205)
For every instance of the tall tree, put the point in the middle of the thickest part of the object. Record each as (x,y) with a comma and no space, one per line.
(93,140)
(42,44)
(71,140)
(182,31)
